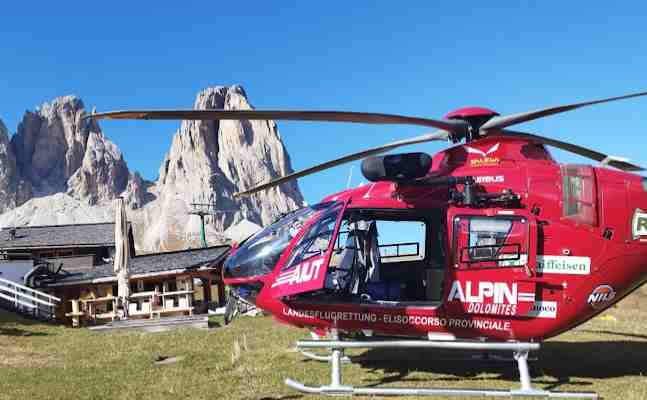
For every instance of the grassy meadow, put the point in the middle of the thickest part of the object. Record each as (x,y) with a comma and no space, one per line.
(250,359)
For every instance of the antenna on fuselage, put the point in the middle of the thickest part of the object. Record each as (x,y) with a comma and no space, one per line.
(350,177)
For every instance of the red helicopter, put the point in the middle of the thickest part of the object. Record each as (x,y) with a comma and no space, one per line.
(488,245)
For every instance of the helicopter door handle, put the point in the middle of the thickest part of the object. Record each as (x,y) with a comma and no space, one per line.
(533,237)
(529,271)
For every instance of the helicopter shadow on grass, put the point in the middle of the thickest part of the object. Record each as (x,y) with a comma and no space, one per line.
(9,321)
(562,361)
(19,332)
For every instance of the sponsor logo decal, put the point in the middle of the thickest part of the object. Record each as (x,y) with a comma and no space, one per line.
(639,224)
(486,158)
(485,162)
(543,309)
(601,296)
(490,179)
(564,265)
(304,272)
(496,298)
(398,319)
(473,150)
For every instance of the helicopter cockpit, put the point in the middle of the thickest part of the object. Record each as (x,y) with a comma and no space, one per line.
(258,255)
(372,255)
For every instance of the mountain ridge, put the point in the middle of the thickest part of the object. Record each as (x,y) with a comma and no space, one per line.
(60,167)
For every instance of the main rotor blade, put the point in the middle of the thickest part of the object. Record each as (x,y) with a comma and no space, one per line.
(573,148)
(439,135)
(513,119)
(324,116)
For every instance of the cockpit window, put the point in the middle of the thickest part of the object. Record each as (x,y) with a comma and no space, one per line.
(259,254)
(317,240)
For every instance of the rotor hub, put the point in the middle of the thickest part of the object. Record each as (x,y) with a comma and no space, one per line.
(471,112)
(475,118)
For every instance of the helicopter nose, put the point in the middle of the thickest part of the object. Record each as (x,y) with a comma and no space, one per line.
(247,292)
(244,279)
(234,273)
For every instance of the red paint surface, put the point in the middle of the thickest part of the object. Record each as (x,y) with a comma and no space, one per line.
(529,170)
(469,112)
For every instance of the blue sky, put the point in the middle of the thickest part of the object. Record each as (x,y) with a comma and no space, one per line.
(425,59)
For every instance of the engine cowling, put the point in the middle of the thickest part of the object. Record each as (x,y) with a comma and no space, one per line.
(396,167)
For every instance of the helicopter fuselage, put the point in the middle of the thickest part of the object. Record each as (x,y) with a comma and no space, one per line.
(539,248)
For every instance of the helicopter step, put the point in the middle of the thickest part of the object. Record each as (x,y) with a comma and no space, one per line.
(520,351)
(483,356)
(323,357)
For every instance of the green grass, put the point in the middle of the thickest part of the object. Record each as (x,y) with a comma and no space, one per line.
(251,358)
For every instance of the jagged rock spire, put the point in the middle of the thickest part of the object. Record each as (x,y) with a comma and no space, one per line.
(65,164)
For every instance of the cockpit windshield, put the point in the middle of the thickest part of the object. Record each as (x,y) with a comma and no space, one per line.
(258,255)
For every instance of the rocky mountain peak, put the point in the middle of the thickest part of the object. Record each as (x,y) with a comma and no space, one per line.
(66,166)
(58,151)
(13,191)
(211,160)
(49,145)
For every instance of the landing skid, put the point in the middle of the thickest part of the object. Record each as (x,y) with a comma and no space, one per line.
(337,347)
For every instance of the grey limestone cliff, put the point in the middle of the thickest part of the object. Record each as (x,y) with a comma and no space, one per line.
(68,167)
(211,160)
(58,151)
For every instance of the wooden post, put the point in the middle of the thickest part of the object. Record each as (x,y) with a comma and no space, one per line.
(206,289)
(75,314)
(221,293)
